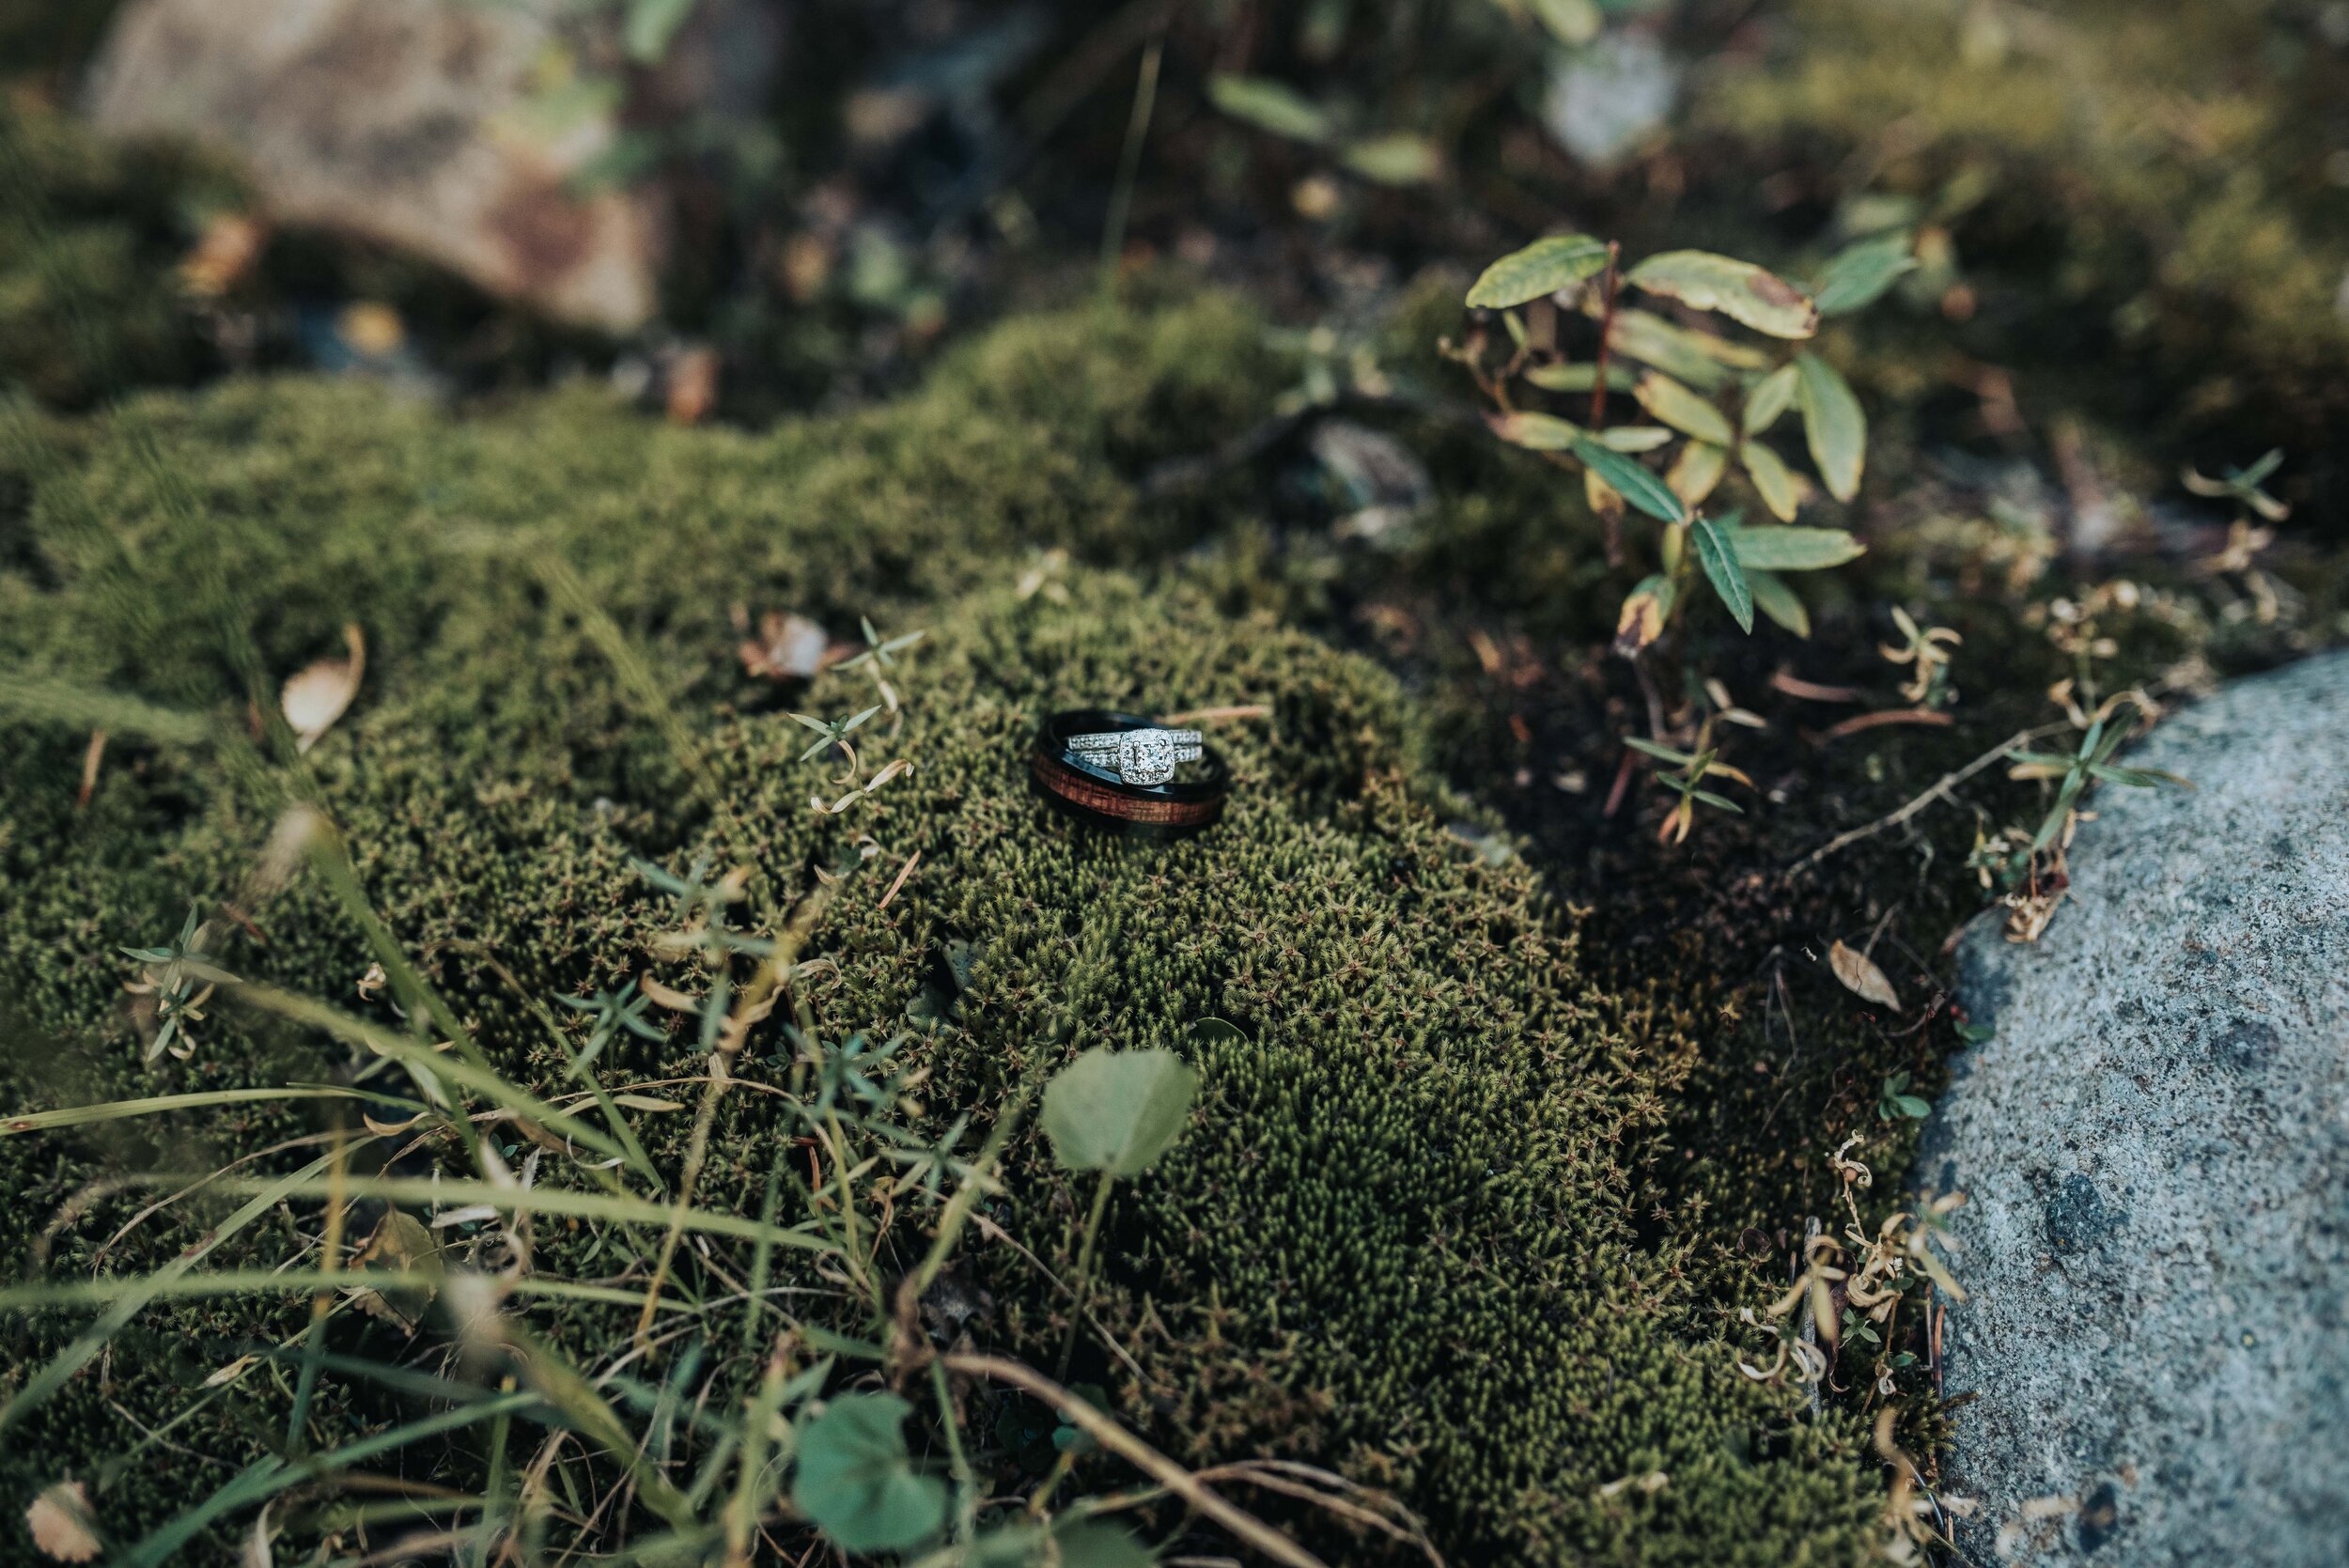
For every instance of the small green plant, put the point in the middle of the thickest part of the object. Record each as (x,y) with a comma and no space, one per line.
(1713,396)
(170,996)
(1896,1103)
(2091,761)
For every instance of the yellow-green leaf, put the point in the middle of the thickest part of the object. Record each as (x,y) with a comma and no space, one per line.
(1270,106)
(1697,471)
(1579,377)
(1537,433)
(1635,438)
(1398,158)
(1700,359)
(1774,599)
(1739,290)
(1837,430)
(1772,479)
(1541,269)
(1771,397)
(1683,409)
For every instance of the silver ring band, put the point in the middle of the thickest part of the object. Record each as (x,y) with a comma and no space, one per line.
(1139,756)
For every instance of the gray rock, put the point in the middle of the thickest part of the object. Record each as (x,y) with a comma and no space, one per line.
(2156,1147)
(440,127)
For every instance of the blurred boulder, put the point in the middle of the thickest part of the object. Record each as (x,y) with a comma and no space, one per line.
(486,138)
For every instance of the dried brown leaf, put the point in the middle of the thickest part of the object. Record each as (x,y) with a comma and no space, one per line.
(313,699)
(1861,977)
(61,1523)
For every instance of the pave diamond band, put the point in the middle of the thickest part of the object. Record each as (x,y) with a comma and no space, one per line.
(1147,755)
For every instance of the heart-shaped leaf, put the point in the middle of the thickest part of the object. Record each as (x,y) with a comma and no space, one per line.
(1540,270)
(856,1479)
(1119,1111)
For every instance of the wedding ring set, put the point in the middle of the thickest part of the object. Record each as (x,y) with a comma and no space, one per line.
(1125,771)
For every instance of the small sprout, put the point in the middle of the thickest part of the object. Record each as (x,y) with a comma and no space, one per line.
(1894,1101)
(835,732)
(1694,768)
(169,998)
(2092,761)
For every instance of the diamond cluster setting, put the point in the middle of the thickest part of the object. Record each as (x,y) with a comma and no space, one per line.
(1146,757)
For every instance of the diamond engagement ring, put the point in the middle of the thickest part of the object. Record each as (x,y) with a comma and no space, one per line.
(1141,756)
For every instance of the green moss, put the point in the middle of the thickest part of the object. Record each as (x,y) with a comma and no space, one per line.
(2126,183)
(88,235)
(1408,1234)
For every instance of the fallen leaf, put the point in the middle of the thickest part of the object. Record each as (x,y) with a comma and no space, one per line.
(788,647)
(313,699)
(1861,977)
(61,1524)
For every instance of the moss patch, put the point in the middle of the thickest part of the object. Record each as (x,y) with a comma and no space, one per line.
(1411,1233)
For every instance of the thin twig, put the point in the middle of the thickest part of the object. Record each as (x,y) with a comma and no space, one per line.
(1149,1461)
(1938,790)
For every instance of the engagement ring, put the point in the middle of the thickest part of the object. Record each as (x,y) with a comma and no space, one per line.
(1141,756)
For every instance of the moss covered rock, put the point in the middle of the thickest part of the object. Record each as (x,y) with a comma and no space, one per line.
(1411,1233)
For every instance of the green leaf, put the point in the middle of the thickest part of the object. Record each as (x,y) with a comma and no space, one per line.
(1776,548)
(1397,158)
(1739,290)
(1570,22)
(1721,802)
(1860,273)
(1720,568)
(1702,360)
(1838,431)
(1771,397)
(1975,1033)
(1270,106)
(1538,271)
(1633,482)
(1073,1544)
(1774,599)
(1537,433)
(1772,479)
(1216,1031)
(651,23)
(1119,1111)
(1659,751)
(856,1479)
(1633,437)
(1579,377)
(1683,409)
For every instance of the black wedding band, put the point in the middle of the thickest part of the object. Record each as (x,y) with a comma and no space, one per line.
(1088,789)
